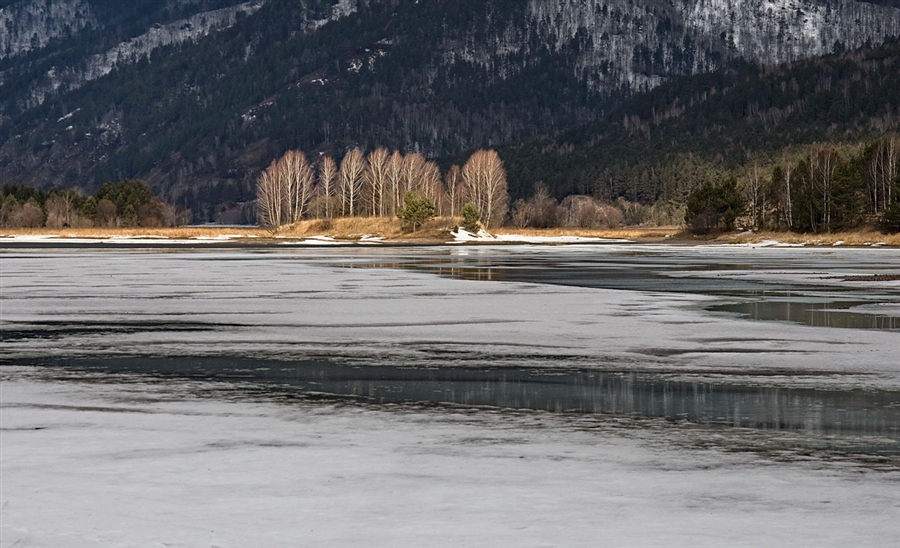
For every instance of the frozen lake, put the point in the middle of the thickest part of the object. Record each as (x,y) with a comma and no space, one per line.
(512,395)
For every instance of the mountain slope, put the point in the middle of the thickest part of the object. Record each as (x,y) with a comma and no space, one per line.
(199,113)
(647,147)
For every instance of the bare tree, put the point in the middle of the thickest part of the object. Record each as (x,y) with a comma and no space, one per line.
(453,187)
(485,182)
(106,213)
(352,167)
(269,198)
(882,170)
(808,181)
(394,176)
(297,178)
(58,211)
(578,211)
(431,185)
(284,189)
(787,199)
(825,163)
(412,169)
(376,179)
(30,215)
(755,195)
(328,173)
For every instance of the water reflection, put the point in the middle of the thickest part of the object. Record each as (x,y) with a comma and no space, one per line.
(669,270)
(819,314)
(852,413)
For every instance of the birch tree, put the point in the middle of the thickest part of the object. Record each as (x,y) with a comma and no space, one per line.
(298,178)
(431,185)
(788,194)
(485,183)
(394,169)
(328,174)
(376,180)
(755,196)
(882,170)
(352,167)
(269,198)
(412,169)
(453,188)
(825,163)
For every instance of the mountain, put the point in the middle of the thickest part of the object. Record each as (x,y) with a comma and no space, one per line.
(651,146)
(195,96)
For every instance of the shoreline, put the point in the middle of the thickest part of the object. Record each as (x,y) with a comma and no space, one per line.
(382,232)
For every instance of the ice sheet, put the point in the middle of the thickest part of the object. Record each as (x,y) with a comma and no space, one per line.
(297,305)
(153,464)
(132,461)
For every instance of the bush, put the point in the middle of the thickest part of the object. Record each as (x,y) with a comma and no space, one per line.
(470,217)
(415,211)
(30,216)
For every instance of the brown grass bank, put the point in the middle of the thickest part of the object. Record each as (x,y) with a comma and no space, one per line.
(855,238)
(659,233)
(438,231)
(345,228)
(180,232)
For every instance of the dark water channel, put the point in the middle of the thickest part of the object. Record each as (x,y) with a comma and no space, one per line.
(706,272)
(868,420)
(817,314)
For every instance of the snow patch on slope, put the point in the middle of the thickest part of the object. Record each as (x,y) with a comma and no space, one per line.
(640,44)
(32,24)
(341,8)
(139,47)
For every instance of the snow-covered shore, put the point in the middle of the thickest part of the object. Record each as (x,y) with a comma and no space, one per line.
(457,236)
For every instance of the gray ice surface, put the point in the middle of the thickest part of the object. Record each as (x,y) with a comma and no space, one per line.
(369,305)
(88,459)
(153,464)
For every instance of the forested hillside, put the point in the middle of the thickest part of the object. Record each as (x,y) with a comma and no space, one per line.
(197,96)
(662,144)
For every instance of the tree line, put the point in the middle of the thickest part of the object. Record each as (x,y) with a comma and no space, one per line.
(657,147)
(379,184)
(822,188)
(127,203)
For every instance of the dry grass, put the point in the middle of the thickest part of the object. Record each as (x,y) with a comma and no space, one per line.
(354,228)
(344,228)
(630,233)
(857,238)
(438,230)
(172,232)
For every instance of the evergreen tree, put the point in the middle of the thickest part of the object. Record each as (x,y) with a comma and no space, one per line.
(415,211)
(715,206)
